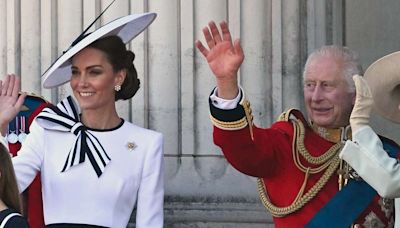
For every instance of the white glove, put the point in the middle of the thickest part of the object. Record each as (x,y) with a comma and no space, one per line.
(363,105)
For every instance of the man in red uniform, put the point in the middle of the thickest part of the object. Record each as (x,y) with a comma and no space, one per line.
(302,180)
(17,131)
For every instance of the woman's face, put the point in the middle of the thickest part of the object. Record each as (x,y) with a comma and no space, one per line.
(93,80)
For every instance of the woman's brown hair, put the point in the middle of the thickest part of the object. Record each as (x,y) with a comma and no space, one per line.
(9,193)
(120,59)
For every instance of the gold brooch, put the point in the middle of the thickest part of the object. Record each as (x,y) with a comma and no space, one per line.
(131,146)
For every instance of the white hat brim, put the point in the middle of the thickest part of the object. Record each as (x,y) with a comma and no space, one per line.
(127,28)
(383,78)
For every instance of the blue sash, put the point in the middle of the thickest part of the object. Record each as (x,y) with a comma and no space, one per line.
(346,205)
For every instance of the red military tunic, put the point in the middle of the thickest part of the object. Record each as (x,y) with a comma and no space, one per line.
(269,156)
(33,206)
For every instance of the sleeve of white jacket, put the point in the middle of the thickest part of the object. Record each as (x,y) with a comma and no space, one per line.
(30,157)
(366,156)
(150,203)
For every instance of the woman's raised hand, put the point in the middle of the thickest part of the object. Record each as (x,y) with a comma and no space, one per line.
(363,104)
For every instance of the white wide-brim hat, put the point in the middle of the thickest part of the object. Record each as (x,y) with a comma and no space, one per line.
(127,28)
(383,78)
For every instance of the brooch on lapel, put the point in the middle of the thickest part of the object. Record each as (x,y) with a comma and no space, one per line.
(131,145)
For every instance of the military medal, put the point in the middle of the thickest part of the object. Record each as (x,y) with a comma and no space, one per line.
(21,137)
(12,137)
(22,134)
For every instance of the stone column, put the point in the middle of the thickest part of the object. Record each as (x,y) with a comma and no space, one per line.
(202,189)
(30,46)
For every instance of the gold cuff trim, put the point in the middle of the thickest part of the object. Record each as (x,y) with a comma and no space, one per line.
(230,126)
(237,124)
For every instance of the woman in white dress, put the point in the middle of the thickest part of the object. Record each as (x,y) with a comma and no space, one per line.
(379,90)
(95,166)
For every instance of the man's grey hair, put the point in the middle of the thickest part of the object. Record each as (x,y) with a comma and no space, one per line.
(349,58)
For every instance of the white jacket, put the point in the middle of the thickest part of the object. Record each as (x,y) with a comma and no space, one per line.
(366,156)
(133,176)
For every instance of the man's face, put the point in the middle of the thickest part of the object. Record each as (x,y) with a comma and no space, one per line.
(328,98)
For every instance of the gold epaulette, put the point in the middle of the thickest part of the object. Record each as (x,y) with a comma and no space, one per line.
(36,96)
(286,116)
(24,108)
(242,122)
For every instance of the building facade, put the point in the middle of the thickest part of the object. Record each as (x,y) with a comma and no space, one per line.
(202,189)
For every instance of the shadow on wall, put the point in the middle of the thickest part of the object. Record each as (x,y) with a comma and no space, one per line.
(385,127)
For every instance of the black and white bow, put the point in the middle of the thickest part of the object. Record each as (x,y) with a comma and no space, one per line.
(65,117)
